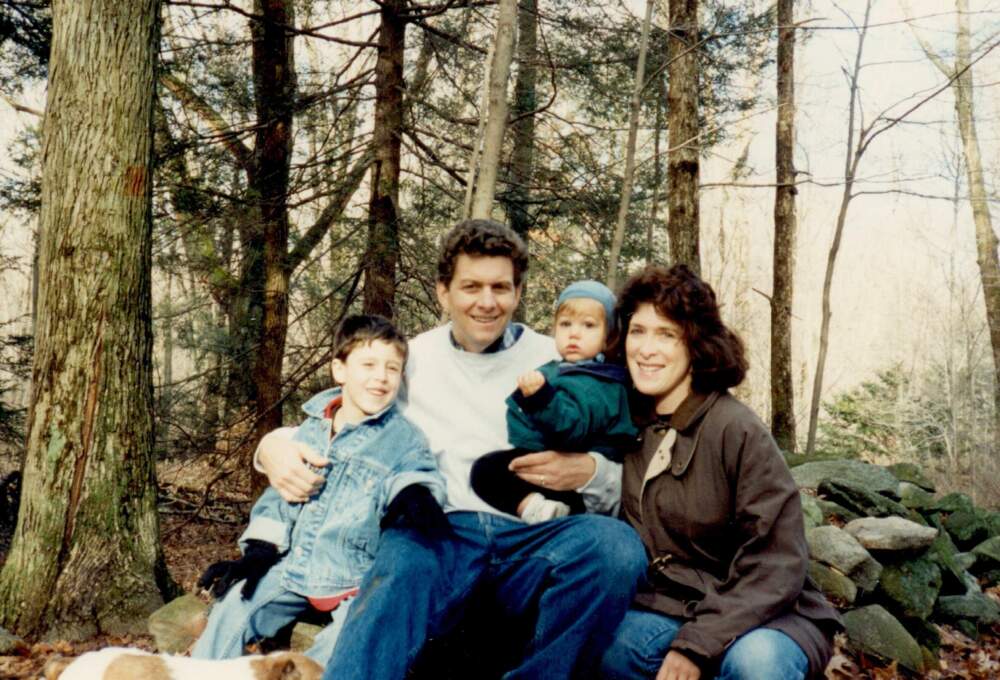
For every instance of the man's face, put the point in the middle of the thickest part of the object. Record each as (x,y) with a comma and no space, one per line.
(480,299)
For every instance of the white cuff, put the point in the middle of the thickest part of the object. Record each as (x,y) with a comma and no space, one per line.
(603,491)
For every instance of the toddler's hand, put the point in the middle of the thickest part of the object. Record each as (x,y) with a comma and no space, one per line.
(530,382)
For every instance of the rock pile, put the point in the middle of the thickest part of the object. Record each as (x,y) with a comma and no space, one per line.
(897,557)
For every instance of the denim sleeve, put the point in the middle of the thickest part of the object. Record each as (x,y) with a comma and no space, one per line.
(418,466)
(272,520)
(602,494)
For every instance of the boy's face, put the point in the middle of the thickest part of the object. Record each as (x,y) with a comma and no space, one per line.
(580,329)
(369,377)
(480,299)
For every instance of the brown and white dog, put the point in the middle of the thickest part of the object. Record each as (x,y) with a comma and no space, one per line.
(123,663)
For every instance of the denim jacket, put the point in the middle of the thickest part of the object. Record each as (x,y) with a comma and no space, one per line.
(331,538)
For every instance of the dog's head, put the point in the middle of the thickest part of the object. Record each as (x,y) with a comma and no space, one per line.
(286,666)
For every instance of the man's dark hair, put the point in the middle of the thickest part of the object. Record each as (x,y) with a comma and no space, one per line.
(718,359)
(362,329)
(482,238)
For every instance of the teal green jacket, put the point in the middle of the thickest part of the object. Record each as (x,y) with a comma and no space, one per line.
(582,407)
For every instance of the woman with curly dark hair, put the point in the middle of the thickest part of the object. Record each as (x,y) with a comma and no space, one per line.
(712,498)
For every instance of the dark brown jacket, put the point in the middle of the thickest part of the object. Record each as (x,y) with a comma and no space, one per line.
(723,528)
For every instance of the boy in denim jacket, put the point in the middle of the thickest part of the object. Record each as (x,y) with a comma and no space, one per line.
(380,473)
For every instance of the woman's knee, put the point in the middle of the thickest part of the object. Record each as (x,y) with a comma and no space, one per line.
(764,654)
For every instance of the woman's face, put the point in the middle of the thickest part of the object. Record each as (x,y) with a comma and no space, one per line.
(658,358)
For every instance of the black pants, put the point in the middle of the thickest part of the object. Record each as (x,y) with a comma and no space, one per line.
(504,490)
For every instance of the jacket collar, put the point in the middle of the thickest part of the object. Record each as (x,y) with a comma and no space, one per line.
(686,420)
(316,406)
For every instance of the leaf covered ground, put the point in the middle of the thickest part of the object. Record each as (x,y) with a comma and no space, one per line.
(192,542)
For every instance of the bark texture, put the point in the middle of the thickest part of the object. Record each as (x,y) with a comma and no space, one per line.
(782,391)
(496,111)
(682,119)
(86,554)
(383,213)
(525,103)
(986,239)
(274,95)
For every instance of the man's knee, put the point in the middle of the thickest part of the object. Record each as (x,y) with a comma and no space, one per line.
(616,549)
(764,654)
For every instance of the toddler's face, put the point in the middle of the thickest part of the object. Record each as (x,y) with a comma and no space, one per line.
(370,378)
(580,329)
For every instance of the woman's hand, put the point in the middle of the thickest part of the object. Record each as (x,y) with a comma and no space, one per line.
(554,470)
(286,464)
(676,666)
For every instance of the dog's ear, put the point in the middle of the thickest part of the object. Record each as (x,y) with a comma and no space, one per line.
(290,666)
(54,667)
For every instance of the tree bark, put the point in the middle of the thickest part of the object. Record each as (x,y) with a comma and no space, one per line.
(633,130)
(682,119)
(383,214)
(86,555)
(525,103)
(496,111)
(986,239)
(782,390)
(274,95)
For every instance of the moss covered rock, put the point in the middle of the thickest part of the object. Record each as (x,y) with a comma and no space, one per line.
(873,630)
(911,588)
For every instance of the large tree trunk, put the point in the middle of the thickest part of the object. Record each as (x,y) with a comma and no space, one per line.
(496,110)
(682,119)
(274,94)
(633,129)
(86,554)
(986,239)
(525,103)
(782,390)
(383,214)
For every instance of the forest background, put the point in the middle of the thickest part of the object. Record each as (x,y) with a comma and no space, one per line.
(309,154)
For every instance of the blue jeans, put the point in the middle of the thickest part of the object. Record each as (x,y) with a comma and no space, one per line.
(234,622)
(574,577)
(644,637)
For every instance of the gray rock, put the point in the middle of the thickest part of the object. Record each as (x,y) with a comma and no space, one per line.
(176,625)
(965,560)
(912,474)
(811,513)
(975,607)
(911,587)
(987,554)
(968,527)
(913,497)
(11,644)
(859,499)
(953,502)
(944,553)
(837,548)
(875,631)
(872,477)
(890,533)
(832,511)
(837,587)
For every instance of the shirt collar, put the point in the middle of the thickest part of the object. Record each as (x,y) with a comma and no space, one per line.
(510,335)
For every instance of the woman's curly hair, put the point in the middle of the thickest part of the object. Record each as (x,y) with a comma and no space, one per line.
(718,358)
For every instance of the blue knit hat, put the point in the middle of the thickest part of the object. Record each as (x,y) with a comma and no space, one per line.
(592,290)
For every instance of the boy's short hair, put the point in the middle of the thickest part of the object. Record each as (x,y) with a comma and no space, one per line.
(362,329)
(482,238)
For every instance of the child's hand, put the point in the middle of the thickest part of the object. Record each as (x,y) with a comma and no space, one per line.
(530,382)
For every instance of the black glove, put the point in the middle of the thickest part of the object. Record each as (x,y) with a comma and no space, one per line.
(416,507)
(258,557)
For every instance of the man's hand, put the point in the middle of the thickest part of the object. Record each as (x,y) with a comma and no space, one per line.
(530,382)
(554,470)
(258,558)
(416,507)
(676,666)
(286,464)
